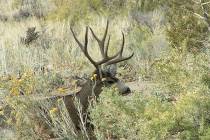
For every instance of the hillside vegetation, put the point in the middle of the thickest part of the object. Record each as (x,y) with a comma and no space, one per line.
(169,74)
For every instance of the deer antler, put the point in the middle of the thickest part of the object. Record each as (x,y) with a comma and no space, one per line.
(107,60)
(84,47)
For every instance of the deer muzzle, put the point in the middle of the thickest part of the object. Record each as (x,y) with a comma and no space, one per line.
(123,89)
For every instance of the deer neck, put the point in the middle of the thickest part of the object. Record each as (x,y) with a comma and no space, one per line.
(89,89)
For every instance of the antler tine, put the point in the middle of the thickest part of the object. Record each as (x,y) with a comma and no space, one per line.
(107,46)
(121,49)
(84,47)
(101,42)
(80,44)
(106,31)
(120,58)
(123,44)
(86,40)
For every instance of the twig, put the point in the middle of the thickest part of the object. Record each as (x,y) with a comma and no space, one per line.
(79,108)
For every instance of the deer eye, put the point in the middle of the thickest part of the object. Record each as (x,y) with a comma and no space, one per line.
(110,82)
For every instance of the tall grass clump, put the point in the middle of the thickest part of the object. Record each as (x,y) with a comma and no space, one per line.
(148,39)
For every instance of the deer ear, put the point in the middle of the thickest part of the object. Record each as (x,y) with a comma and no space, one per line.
(112,69)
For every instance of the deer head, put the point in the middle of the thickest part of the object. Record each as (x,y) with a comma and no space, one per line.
(106,67)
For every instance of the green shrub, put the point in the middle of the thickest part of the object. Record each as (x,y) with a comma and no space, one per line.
(36,118)
(206,79)
(185,26)
(116,117)
(148,117)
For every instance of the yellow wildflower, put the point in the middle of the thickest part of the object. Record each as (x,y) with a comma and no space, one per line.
(61,90)
(20,80)
(92,78)
(103,79)
(53,110)
(115,89)
(95,76)
(14,91)
(1,112)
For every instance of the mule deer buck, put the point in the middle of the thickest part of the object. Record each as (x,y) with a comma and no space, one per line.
(104,76)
